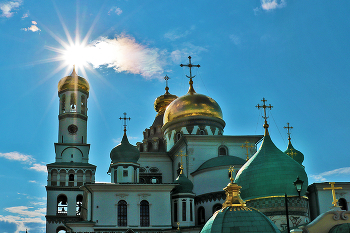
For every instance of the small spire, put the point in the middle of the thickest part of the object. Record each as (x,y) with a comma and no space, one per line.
(190,65)
(264,106)
(73,74)
(181,155)
(166,78)
(288,128)
(125,119)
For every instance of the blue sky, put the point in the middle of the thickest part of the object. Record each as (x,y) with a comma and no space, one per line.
(296,54)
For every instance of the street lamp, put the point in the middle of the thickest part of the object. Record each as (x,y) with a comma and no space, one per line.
(298,185)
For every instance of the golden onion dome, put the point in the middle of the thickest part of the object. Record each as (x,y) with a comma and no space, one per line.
(73,81)
(163,101)
(192,104)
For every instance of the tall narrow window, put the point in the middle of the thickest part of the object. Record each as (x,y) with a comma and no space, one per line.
(62,205)
(144,213)
(83,104)
(184,210)
(175,211)
(63,103)
(122,214)
(223,151)
(191,211)
(73,103)
(201,215)
(79,203)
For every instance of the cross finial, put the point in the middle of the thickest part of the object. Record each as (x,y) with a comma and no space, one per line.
(291,153)
(247,147)
(178,225)
(166,78)
(190,65)
(125,119)
(264,106)
(231,170)
(181,155)
(288,132)
(333,192)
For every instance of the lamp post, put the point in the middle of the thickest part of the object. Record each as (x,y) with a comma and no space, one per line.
(298,184)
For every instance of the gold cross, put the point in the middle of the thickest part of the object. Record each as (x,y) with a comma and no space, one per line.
(264,106)
(231,170)
(333,192)
(181,155)
(291,153)
(247,146)
(288,128)
(178,225)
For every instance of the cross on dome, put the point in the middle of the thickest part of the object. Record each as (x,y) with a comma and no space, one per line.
(291,153)
(181,155)
(247,147)
(264,106)
(231,170)
(190,65)
(125,119)
(288,128)
(166,78)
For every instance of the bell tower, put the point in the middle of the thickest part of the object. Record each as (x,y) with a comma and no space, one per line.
(71,168)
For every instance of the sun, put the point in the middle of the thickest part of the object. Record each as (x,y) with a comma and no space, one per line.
(75,55)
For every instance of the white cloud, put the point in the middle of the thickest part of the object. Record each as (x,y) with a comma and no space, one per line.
(22,215)
(188,49)
(26,15)
(272,4)
(176,34)
(26,159)
(338,171)
(116,10)
(124,54)
(32,28)
(8,7)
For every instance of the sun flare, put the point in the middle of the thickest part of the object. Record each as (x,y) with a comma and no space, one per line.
(77,55)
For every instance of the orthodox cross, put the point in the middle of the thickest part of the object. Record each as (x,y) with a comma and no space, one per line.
(264,106)
(181,155)
(247,147)
(166,78)
(288,128)
(291,153)
(190,65)
(125,119)
(231,170)
(333,192)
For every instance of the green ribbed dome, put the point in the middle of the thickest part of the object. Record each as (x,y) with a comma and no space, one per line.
(185,185)
(341,228)
(125,152)
(270,172)
(295,154)
(239,221)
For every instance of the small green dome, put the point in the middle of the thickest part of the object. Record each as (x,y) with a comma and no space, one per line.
(341,228)
(185,185)
(239,221)
(221,161)
(294,154)
(270,172)
(125,152)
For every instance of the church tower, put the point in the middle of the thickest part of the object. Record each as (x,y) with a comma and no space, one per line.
(71,168)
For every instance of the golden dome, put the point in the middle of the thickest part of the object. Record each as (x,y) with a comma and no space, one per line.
(73,81)
(192,104)
(163,101)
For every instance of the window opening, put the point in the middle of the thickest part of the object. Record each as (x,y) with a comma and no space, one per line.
(73,103)
(201,215)
(191,211)
(62,205)
(183,210)
(83,105)
(122,213)
(144,213)
(71,177)
(343,204)
(175,211)
(63,103)
(223,151)
(216,207)
(79,203)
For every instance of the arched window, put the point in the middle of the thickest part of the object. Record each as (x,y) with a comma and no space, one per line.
(184,211)
(177,136)
(79,203)
(343,204)
(216,207)
(201,132)
(222,151)
(122,214)
(175,211)
(62,204)
(144,213)
(61,229)
(71,177)
(201,215)
(73,103)
(63,103)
